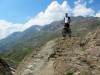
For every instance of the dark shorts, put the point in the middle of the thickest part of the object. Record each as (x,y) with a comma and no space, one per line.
(66,25)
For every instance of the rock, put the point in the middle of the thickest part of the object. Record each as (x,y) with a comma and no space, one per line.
(4,68)
(98,43)
(27,72)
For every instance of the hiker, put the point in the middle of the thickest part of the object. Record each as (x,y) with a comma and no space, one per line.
(66,29)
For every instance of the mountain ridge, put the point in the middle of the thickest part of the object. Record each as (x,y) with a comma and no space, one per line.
(21,47)
(32,31)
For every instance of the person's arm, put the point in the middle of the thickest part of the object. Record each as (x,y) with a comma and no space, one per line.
(69,20)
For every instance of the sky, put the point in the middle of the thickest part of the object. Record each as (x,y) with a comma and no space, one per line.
(18,15)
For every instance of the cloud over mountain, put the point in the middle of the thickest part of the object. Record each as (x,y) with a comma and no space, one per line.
(98,14)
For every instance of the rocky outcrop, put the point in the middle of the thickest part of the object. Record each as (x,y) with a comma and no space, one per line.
(4,68)
(78,57)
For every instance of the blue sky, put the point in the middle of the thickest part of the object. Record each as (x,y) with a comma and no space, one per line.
(20,11)
(18,15)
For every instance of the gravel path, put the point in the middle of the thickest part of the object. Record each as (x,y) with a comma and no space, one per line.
(41,64)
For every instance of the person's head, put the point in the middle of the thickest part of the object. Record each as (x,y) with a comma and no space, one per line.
(66,14)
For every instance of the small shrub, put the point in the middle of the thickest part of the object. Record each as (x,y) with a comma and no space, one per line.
(69,73)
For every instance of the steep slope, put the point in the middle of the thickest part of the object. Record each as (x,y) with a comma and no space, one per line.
(79,57)
(4,68)
(38,64)
(73,56)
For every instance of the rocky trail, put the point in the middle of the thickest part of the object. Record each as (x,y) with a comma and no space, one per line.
(72,56)
(40,64)
(76,59)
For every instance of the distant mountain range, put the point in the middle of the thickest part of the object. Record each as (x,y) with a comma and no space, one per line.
(19,44)
(32,32)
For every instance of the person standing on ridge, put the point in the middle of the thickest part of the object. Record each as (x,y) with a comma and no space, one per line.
(66,29)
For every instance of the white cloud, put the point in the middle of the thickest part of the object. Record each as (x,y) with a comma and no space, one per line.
(54,11)
(98,14)
(78,2)
(51,13)
(91,1)
(6,28)
(80,9)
